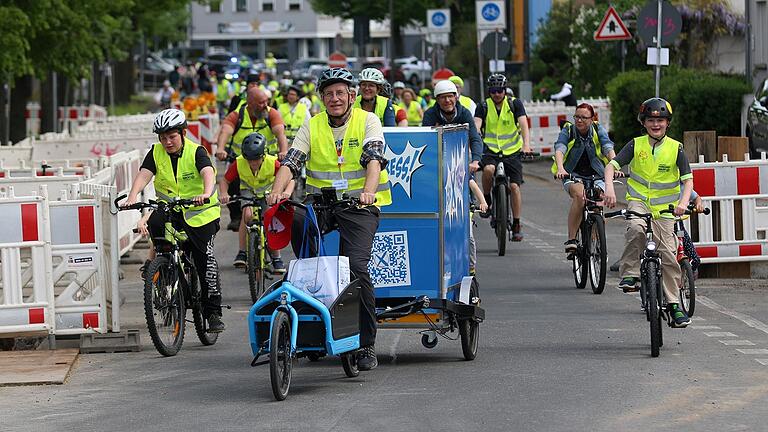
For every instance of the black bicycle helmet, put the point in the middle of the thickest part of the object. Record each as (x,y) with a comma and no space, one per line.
(497,80)
(169,119)
(654,108)
(299,91)
(386,90)
(333,76)
(253,146)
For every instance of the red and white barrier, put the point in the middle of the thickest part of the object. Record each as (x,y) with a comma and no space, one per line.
(32,119)
(545,118)
(722,185)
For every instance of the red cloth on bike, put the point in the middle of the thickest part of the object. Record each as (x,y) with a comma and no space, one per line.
(278,220)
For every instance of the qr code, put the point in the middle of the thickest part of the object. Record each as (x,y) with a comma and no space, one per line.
(390,265)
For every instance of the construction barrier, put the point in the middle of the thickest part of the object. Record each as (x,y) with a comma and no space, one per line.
(32,119)
(545,118)
(71,117)
(738,194)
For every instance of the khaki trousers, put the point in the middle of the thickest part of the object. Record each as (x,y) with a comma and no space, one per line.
(666,243)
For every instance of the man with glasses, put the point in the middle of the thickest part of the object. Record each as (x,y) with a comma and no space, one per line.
(504,124)
(343,147)
(583,150)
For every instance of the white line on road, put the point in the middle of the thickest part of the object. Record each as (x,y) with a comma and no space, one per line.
(756,351)
(737,342)
(763,362)
(746,319)
(393,347)
(705,327)
(720,334)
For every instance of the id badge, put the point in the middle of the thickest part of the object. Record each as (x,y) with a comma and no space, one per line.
(341,160)
(341,184)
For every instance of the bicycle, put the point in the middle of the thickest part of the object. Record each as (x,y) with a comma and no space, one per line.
(651,292)
(687,284)
(589,259)
(256,249)
(171,286)
(502,208)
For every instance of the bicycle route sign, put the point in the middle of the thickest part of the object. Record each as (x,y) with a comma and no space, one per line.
(439,20)
(490,15)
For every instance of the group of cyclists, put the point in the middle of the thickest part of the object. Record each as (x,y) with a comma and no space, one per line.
(271,144)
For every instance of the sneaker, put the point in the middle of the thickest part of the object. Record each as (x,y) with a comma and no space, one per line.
(234,225)
(278,266)
(240,259)
(215,325)
(629,284)
(366,358)
(516,234)
(680,318)
(143,269)
(571,245)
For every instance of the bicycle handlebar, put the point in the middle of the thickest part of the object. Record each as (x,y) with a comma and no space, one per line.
(154,204)
(626,213)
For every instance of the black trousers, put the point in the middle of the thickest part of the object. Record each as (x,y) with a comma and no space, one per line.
(356,230)
(201,246)
(235,211)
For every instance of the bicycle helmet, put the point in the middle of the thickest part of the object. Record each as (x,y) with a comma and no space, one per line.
(425,92)
(445,86)
(372,75)
(655,108)
(457,80)
(297,89)
(386,90)
(496,80)
(169,119)
(399,85)
(253,146)
(333,76)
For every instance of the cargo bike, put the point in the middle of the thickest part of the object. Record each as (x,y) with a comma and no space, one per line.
(419,265)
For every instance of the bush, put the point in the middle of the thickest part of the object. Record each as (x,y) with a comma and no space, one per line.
(700,101)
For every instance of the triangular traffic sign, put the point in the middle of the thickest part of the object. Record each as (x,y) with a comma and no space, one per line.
(612,27)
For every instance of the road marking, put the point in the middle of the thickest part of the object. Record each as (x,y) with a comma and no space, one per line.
(746,319)
(393,347)
(705,327)
(763,362)
(720,334)
(755,351)
(698,318)
(737,342)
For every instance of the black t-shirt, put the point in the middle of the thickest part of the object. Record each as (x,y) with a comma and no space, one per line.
(202,160)
(584,166)
(517,108)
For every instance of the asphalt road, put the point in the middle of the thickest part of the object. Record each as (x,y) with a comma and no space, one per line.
(551,358)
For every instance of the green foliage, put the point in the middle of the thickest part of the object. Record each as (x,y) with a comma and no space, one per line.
(415,12)
(700,101)
(139,104)
(14,44)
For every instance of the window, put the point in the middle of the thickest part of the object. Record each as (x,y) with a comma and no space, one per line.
(214,6)
(241,5)
(267,5)
(293,5)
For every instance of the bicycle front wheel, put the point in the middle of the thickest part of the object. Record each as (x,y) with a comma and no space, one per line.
(687,288)
(580,261)
(280,355)
(164,307)
(255,268)
(650,284)
(500,205)
(201,325)
(597,254)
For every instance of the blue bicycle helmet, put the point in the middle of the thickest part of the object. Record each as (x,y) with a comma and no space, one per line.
(254,146)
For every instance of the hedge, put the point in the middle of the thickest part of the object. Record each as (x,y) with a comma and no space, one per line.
(700,101)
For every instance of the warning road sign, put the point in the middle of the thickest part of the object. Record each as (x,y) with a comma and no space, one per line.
(612,27)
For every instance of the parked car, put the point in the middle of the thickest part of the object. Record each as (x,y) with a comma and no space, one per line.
(302,67)
(757,121)
(414,70)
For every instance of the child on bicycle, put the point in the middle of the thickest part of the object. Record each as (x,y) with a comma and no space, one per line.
(658,166)
(256,171)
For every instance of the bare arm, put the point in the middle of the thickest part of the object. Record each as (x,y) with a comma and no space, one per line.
(282,179)
(209,183)
(478,123)
(372,173)
(223,193)
(282,141)
(221,142)
(682,205)
(610,193)
(139,183)
(561,172)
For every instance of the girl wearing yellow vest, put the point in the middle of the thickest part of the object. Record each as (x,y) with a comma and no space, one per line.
(412,108)
(256,172)
(657,166)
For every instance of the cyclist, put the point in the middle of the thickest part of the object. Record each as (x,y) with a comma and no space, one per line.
(427,101)
(582,148)
(371,83)
(505,128)
(293,111)
(465,101)
(398,88)
(254,116)
(449,111)
(183,169)
(657,165)
(256,172)
(401,118)
(241,88)
(413,110)
(343,147)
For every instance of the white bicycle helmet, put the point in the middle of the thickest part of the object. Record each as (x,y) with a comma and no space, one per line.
(169,119)
(398,85)
(445,86)
(372,75)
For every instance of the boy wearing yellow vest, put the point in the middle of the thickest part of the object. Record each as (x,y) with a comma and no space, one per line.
(657,168)
(256,171)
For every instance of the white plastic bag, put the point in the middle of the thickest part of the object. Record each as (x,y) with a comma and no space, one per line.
(321,277)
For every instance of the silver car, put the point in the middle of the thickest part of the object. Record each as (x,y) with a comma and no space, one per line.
(757,121)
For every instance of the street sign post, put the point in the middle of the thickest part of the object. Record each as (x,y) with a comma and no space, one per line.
(612,28)
(491,14)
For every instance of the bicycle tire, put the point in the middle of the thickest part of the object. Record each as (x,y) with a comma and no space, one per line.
(500,206)
(597,253)
(201,325)
(651,285)
(255,265)
(580,268)
(280,356)
(687,288)
(469,329)
(169,307)
(349,363)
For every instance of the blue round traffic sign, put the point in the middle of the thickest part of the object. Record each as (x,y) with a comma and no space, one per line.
(438,19)
(491,12)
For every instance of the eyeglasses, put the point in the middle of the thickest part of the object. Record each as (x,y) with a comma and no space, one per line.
(338,94)
(581,118)
(496,90)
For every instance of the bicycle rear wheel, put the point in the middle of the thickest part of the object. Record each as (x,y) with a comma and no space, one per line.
(580,259)
(597,254)
(201,325)
(255,253)
(164,307)
(687,288)
(280,356)
(469,329)
(500,205)
(650,283)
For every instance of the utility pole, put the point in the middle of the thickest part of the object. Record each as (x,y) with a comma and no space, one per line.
(392,78)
